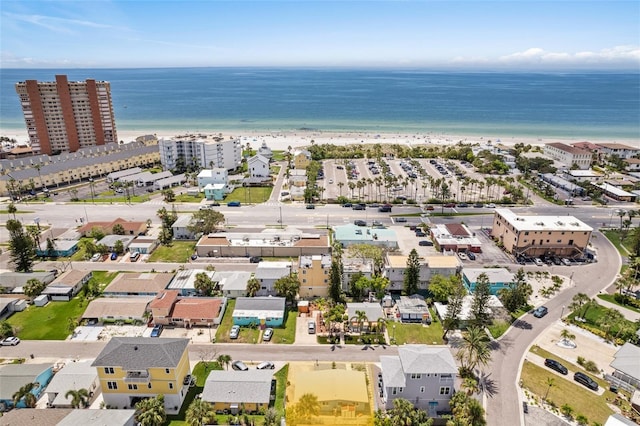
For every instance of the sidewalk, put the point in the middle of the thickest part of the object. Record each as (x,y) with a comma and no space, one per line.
(628,313)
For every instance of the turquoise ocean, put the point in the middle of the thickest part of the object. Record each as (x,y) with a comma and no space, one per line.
(565,105)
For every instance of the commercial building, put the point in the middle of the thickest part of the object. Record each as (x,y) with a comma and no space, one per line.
(201,151)
(564,236)
(134,368)
(455,237)
(569,155)
(63,116)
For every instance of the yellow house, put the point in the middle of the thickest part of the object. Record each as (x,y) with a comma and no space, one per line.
(238,391)
(313,275)
(301,159)
(540,235)
(134,368)
(341,393)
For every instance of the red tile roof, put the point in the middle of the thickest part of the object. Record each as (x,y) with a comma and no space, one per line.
(165,299)
(197,308)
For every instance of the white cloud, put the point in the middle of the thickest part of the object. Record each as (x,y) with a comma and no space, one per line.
(615,56)
(59,25)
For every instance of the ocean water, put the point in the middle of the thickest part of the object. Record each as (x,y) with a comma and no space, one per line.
(581,106)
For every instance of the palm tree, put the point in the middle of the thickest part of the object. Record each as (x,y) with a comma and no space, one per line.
(470,385)
(308,406)
(551,382)
(361,316)
(567,336)
(26,393)
(340,185)
(253,286)
(12,209)
(79,398)
(475,349)
(150,411)
(271,418)
(200,413)
(610,319)
(224,360)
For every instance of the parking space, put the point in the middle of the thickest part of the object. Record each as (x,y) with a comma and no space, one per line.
(302,329)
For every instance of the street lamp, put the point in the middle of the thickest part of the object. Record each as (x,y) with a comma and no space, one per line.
(562,312)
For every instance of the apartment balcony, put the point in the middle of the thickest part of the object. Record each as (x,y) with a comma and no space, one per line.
(137,377)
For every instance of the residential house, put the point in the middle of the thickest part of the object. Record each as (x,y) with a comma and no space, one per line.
(396,265)
(130,227)
(619,150)
(499,278)
(298,178)
(143,245)
(313,274)
(60,248)
(424,375)
(619,420)
(137,284)
(351,234)
(134,368)
(626,366)
(493,309)
(263,311)
(216,191)
(355,266)
(110,241)
(181,228)
(233,284)
(413,309)
(37,416)
(10,280)
(259,168)
(212,177)
(564,236)
(184,281)
(15,376)
(301,158)
(372,313)
(67,285)
(569,155)
(236,391)
(73,376)
(267,273)
(169,308)
(109,417)
(117,309)
(340,393)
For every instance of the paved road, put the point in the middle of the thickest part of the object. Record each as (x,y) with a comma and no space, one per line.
(503,403)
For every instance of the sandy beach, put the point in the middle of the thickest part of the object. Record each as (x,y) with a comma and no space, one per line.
(281,140)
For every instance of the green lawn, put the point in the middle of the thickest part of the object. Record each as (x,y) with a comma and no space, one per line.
(48,322)
(566,391)
(288,333)
(570,366)
(103,278)
(186,198)
(281,386)
(250,195)
(593,318)
(247,335)
(611,298)
(614,237)
(498,328)
(416,333)
(177,252)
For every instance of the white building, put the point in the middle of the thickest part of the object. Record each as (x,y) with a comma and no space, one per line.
(215,176)
(569,155)
(258,167)
(214,153)
(620,150)
(267,273)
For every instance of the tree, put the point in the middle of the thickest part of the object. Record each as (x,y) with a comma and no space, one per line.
(368,251)
(551,382)
(150,411)
(403,413)
(12,209)
(481,295)
(34,287)
(20,246)
(356,286)
(117,229)
(516,294)
(567,411)
(470,385)
(287,287)
(567,336)
(204,284)
(6,330)
(475,349)
(79,398)
(271,418)
(442,287)
(466,411)
(26,393)
(454,308)
(200,413)
(253,286)
(205,222)
(577,303)
(225,360)
(118,247)
(169,195)
(335,280)
(412,273)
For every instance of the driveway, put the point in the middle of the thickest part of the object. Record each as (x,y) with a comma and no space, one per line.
(302,331)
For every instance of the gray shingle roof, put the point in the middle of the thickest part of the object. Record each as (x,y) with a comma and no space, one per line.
(140,353)
(627,360)
(238,386)
(421,359)
(260,303)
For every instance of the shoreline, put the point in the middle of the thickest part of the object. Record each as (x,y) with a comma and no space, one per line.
(282,139)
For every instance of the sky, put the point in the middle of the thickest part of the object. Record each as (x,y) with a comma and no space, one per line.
(475,35)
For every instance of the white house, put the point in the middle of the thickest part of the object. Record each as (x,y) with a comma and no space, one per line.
(258,167)
(181,228)
(212,176)
(267,273)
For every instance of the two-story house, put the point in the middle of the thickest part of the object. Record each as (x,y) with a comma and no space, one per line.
(424,375)
(131,369)
(301,159)
(313,274)
(259,167)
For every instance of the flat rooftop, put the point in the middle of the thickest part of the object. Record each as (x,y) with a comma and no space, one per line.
(543,223)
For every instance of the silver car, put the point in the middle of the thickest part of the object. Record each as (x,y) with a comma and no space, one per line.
(235,332)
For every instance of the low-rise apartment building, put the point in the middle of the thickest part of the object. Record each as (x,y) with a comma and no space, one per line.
(569,155)
(564,236)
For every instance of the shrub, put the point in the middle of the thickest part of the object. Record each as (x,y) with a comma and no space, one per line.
(581,361)
(591,367)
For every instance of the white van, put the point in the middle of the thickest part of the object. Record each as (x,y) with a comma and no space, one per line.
(134,256)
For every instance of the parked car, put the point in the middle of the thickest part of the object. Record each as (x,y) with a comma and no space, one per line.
(234,332)
(310,206)
(267,365)
(194,257)
(96,257)
(555,365)
(462,256)
(420,233)
(357,207)
(114,256)
(540,311)
(255,259)
(426,243)
(347,205)
(538,261)
(134,256)
(430,208)
(157,330)
(311,327)
(189,380)
(471,255)
(490,206)
(359,222)
(478,205)
(385,209)
(239,366)
(450,205)
(10,341)
(267,334)
(463,205)
(233,204)
(566,261)
(585,380)
(401,219)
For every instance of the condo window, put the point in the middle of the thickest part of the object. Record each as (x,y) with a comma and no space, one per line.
(166,370)
(133,387)
(108,370)
(421,389)
(170,385)
(445,390)
(112,385)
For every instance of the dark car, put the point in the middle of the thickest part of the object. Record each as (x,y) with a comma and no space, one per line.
(157,330)
(420,233)
(255,259)
(478,205)
(358,207)
(310,206)
(540,312)
(385,209)
(471,256)
(450,205)
(114,256)
(194,257)
(425,243)
(585,380)
(463,205)
(233,204)
(359,222)
(239,366)
(555,365)
(346,205)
